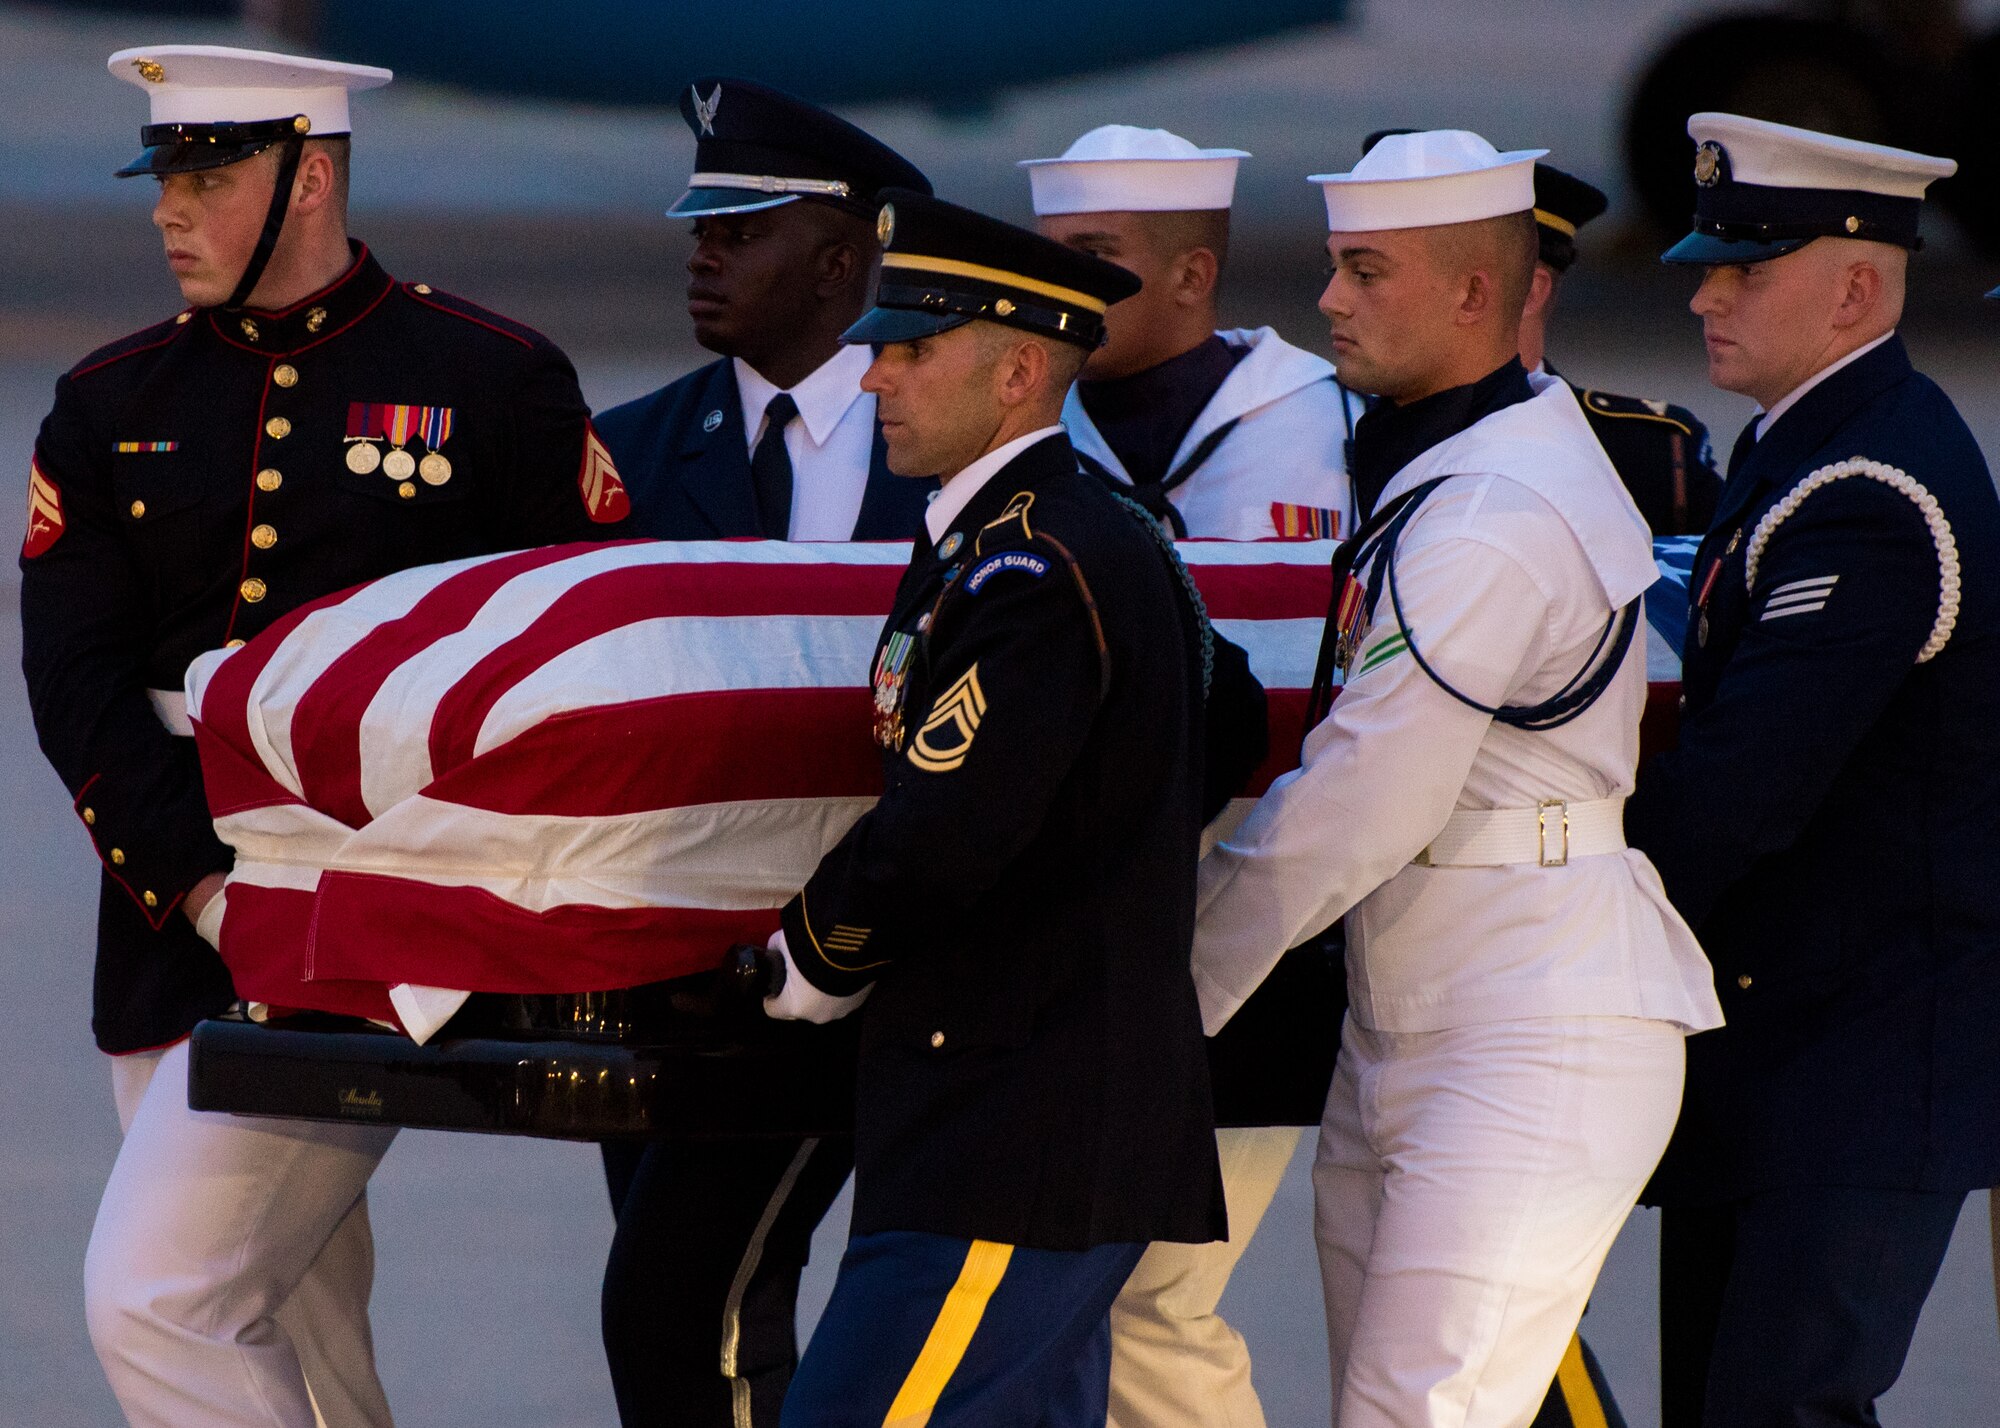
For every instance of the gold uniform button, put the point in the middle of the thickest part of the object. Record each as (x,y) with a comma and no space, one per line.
(138,509)
(118,856)
(252,589)
(407,490)
(183,317)
(89,816)
(277,428)
(421,288)
(264,537)
(285,375)
(270,479)
(1744,981)
(148,898)
(937,1039)
(232,644)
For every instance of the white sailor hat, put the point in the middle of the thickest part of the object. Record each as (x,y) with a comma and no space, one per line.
(1429,179)
(214,105)
(1762,190)
(1117,168)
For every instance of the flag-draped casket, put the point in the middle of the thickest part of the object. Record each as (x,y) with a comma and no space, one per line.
(589,767)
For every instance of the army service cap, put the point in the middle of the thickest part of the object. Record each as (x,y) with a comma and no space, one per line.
(1563,204)
(213,105)
(1117,168)
(944,266)
(757,147)
(1762,190)
(1427,179)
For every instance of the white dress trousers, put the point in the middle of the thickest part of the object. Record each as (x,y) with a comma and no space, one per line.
(231,1262)
(1468,1185)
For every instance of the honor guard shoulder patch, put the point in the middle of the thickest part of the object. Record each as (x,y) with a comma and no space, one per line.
(1290,522)
(1024,561)
(598,480)
(947,733)
(45,513)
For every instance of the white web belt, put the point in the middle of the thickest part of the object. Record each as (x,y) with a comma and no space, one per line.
(1547,836)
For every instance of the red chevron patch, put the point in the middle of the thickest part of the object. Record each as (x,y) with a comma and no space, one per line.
(45,513)
(598,479)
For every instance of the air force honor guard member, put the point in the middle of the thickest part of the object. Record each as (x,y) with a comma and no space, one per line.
(1235,434)
(1520,987)
(776,439)
(307,423)
(1033,1104)
(1827,820)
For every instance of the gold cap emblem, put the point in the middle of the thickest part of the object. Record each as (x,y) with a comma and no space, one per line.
(1708,163)
(150,70)
(885,224)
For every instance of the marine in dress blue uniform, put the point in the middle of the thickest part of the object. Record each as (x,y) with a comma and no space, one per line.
(701,1287)
(1033,1102)
(686,448)
(1826,823)
(193,483)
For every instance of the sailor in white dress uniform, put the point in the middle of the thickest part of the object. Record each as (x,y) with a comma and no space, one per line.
(1520,987)
(1231,434)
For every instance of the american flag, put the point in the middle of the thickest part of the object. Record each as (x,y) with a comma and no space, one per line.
(587,766)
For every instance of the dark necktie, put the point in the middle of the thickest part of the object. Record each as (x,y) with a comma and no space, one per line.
(1746,442)
(771,470)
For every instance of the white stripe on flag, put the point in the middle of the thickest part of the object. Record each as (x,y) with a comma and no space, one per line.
(1282,652)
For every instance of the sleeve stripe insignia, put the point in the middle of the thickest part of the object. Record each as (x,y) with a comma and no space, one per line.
(955,716)
(1383,652)
(1799,597)
(597,478)
(1290,522)
(45,513)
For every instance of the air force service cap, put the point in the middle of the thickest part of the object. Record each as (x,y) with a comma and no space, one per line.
(1762,190)
(944,266)
(1427,179)
(1117,168)
(214,105)
(757,147)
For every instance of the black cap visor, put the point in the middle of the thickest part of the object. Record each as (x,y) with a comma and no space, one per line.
(190,148)
(1708,251)
(880,326)
(714,202)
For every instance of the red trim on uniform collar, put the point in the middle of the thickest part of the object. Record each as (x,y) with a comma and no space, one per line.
(281,332)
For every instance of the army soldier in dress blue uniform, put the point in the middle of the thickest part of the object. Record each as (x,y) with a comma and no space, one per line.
(777,438)
(307,423)
(1827,821)
(1033,1102)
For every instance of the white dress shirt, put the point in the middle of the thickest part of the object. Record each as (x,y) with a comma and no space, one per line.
(829,441)
(957,492)
(1791,398)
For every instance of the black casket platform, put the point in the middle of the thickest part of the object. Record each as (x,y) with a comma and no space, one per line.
(665,1062)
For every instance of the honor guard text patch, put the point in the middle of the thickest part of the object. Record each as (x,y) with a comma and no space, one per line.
(45,513)
(1024,561)
(946,736)
(598,481)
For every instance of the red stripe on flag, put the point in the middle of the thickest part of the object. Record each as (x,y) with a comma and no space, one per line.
(622,597)
(225,702)
(366,926)
(326,724)
(723,746)
(233,781)
(264,932)
(1264,592)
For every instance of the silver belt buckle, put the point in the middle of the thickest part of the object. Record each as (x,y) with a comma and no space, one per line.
(1561,859)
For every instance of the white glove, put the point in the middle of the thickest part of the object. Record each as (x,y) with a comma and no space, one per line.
(208,926)
(800,1000)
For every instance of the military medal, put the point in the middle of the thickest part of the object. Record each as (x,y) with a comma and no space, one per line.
(398,424)
(1349,622)
(362,456)
(398,465)
(891,670)
(435,469)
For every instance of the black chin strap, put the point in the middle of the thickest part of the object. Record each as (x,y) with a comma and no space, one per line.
(274,220)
